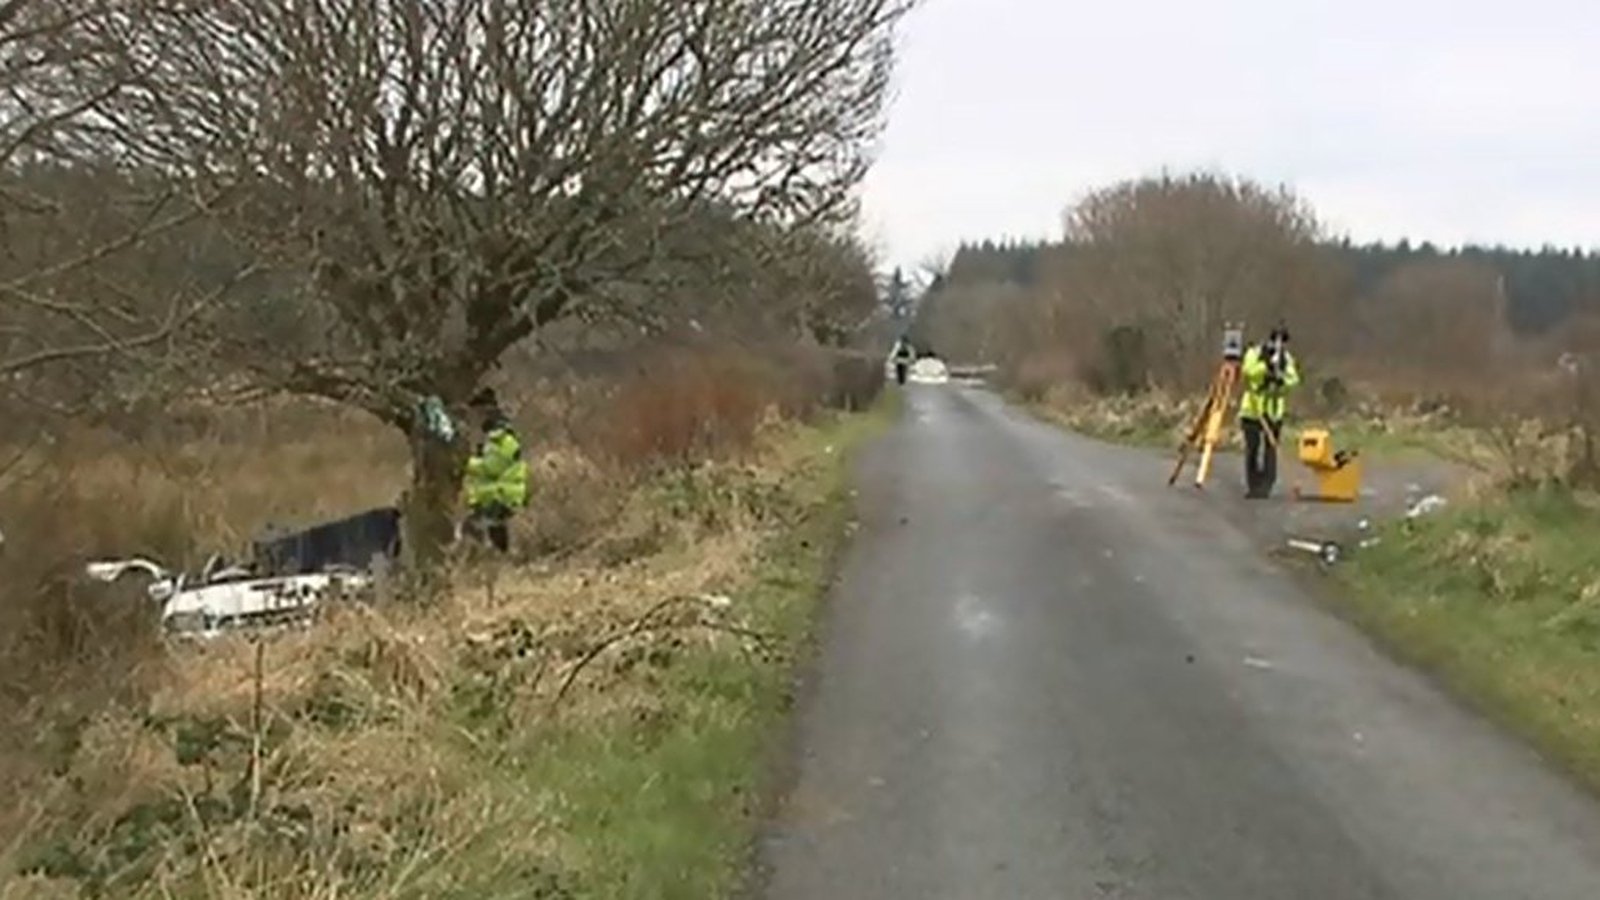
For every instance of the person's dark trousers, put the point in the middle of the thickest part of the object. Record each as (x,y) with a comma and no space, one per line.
(492,522)
(1261,455)
(499,535)
(900,372)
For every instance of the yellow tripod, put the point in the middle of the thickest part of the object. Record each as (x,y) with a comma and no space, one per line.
(1206,432)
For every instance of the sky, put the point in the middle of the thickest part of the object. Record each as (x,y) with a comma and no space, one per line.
(1455,122)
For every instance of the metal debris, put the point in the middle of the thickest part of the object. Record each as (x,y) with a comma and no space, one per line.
(1426,506)
(1327,551)
(289,575)
(225,598)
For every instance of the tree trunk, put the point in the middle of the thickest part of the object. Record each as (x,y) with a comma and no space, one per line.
(432,501)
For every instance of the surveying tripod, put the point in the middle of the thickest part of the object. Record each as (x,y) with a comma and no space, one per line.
(1206,432)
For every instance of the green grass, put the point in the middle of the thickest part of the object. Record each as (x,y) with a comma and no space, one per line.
(666,806)
(1502,599)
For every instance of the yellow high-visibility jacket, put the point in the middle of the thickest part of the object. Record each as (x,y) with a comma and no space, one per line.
(497,473)
(1261,400)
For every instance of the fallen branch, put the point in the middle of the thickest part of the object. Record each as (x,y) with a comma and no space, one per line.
(644,624)
(639,626)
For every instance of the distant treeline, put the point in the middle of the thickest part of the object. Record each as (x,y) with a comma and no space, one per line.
(1543,288)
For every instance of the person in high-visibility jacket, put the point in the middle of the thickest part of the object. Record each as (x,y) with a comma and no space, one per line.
(1270,373)
(904,355)
(496,483)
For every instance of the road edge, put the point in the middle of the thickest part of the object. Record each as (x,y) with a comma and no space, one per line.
(834,527)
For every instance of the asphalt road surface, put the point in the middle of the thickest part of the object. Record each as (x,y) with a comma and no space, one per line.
(1047,675)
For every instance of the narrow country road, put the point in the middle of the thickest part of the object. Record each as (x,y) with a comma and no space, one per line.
(1045,674)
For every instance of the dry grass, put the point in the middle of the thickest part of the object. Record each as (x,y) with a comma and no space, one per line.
(1149,418)
(387,732)
(1511,445)
(69,651)
(399,750)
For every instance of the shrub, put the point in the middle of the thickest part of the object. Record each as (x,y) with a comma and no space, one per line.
(1038,374)
(687,404)
(682,405)
(1123,364)
(855,380)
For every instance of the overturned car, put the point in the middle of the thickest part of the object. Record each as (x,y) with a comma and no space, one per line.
(288,576)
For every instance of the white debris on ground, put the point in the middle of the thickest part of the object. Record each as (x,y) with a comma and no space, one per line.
(1367,539)
(717,601)
(1427,506)
(1396,491)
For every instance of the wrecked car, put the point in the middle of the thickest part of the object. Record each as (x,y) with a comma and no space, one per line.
(288,576)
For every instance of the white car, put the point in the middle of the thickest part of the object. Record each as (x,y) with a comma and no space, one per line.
(228,598)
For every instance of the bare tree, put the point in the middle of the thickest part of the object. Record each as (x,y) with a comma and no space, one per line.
(1180,256)
(825,285)
(450,177)
(980,323)
(32,113)
(756,282)
(1442,321)
(83,310)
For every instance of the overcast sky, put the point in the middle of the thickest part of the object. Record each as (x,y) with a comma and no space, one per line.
(1445,120)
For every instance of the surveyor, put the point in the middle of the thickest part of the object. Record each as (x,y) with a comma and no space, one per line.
(1269,373)
(496,484)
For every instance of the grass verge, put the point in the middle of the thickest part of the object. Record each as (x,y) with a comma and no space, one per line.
(1140,421)
(665,806)
(1502,599)
(591,727)
(1156,421)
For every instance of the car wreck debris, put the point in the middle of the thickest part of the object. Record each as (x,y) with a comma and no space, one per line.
(289,576)
(1328,552)
(357,541)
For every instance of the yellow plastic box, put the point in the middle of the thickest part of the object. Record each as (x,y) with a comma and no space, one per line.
(1338,474)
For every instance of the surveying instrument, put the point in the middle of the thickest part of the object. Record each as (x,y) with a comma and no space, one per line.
(1206,432)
